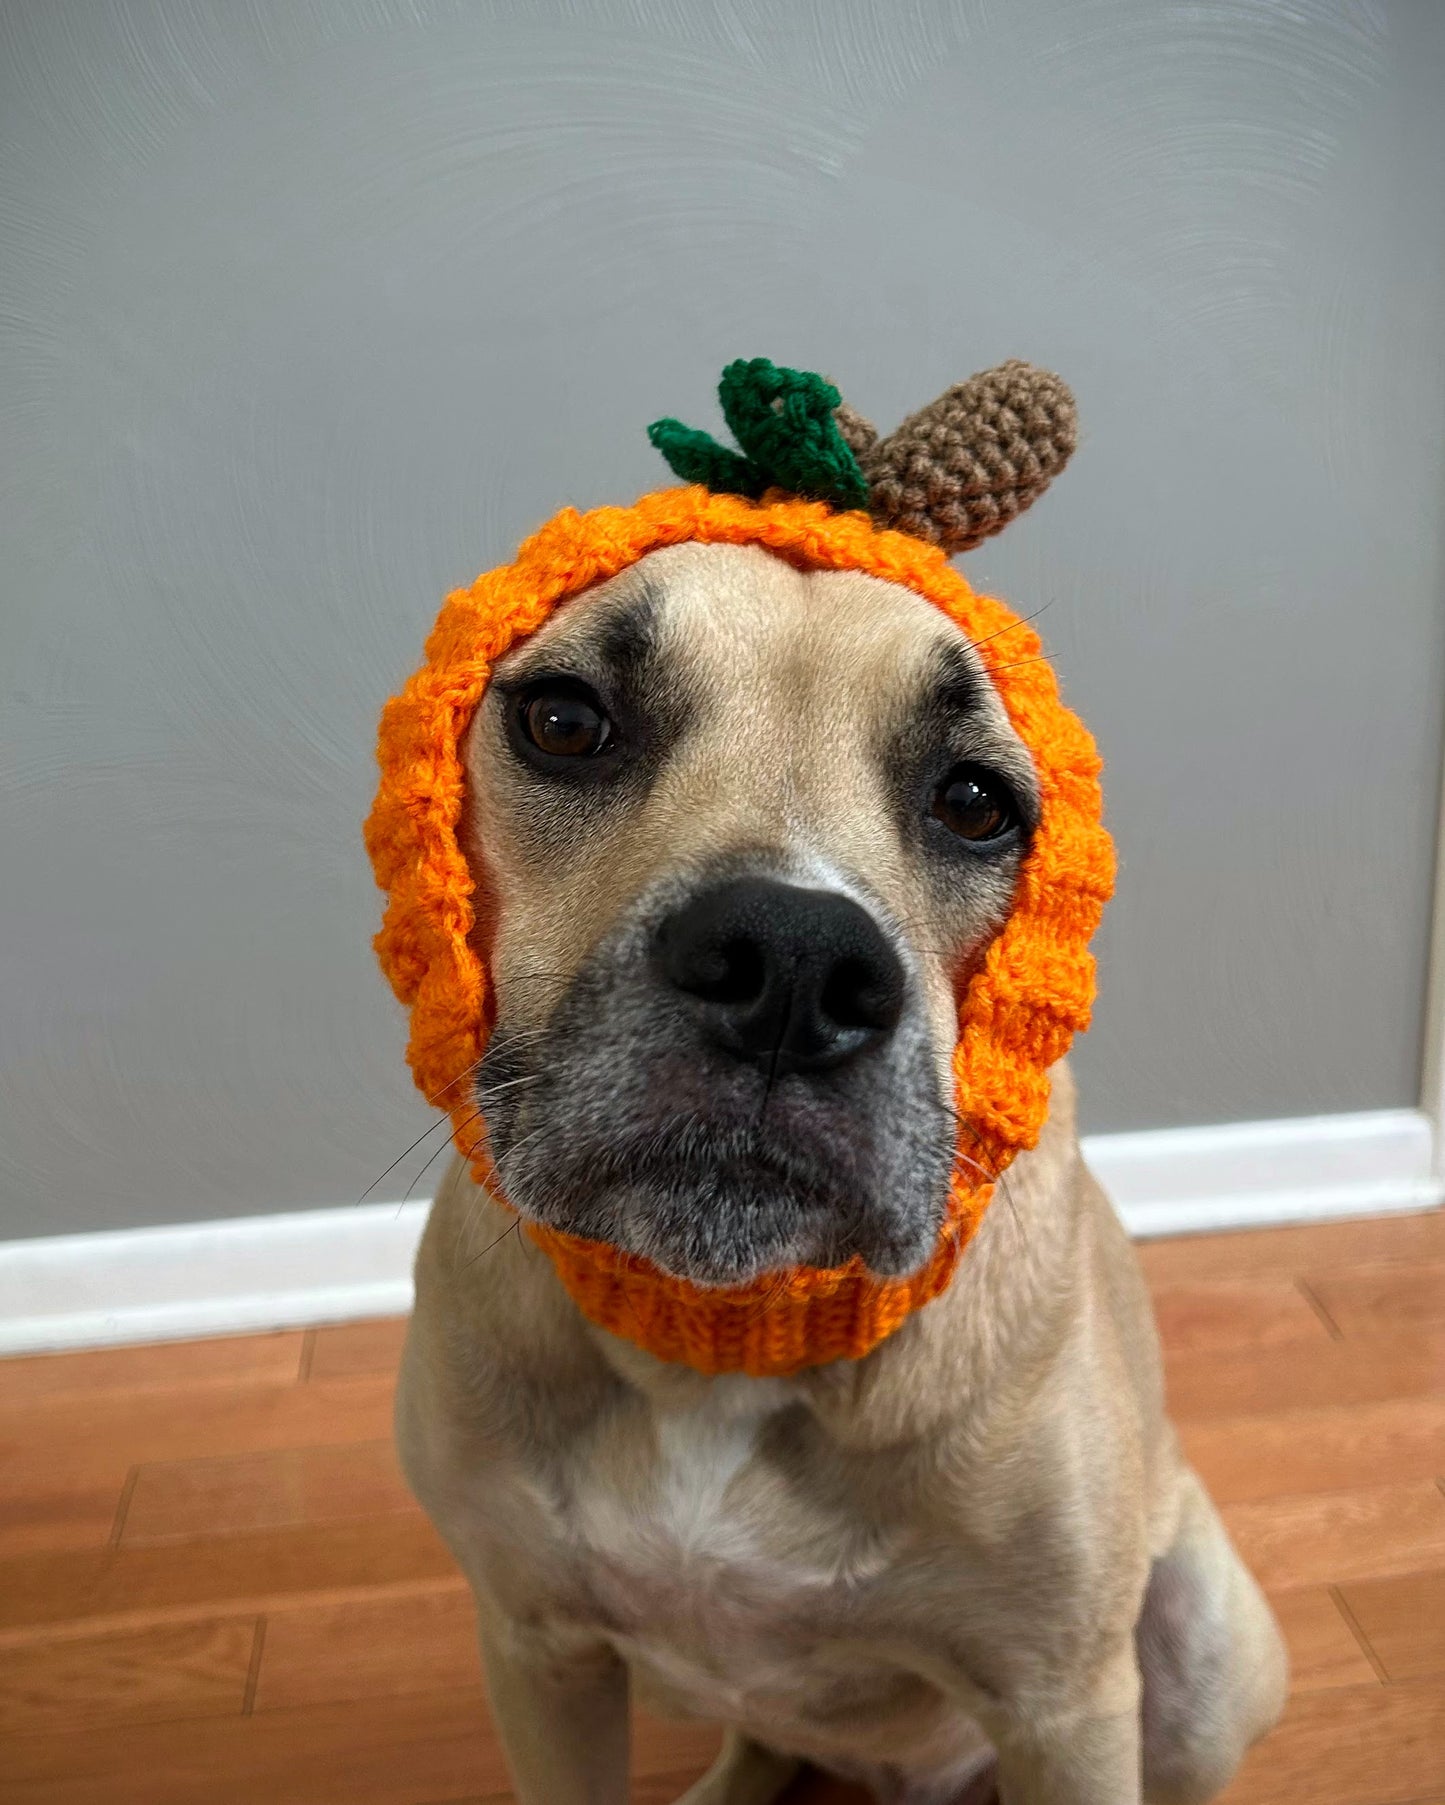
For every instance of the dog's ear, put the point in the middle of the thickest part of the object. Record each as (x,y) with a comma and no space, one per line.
(959,469)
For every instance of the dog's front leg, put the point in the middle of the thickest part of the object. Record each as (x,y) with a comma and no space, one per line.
(560,1706)
(1089,1753)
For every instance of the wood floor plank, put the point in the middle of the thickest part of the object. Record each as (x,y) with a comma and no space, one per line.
(226,1492)
(1237,1382)
(1321,1450)
(491,1798)
(662,1745)
(52,1514)
(1330,1538)
(226,1360)
(135,1676)
(1367,1745)
(1383,1298)
(378,1752)
(218,1575)
(369,1648)
(348,1348)
(382,1752)
(1403,1619)
(1323,1650)
(65,1460)
(1240,1313)
(76,1439)
(1315,1247)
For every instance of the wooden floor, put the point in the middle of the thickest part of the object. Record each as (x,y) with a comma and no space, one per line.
(213,1586)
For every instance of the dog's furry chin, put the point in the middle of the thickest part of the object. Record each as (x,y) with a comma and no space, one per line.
(719,1206)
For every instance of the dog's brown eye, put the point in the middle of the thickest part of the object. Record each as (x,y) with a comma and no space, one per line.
(975,804)
(565,723)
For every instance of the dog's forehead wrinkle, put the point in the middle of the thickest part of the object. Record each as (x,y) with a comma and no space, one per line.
(744,616)
(628,631)
(610,629)
(801,682)
(956,678)
(776,655)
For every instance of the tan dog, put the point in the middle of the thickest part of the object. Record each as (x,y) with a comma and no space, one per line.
(744,827)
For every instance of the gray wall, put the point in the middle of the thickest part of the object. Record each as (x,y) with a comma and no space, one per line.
(312,309)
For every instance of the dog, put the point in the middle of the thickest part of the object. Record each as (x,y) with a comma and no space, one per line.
(969,1560)
(744,825)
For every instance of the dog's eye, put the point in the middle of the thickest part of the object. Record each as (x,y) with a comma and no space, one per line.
(975,804)
(565,722)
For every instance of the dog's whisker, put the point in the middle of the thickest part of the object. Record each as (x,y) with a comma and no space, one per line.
(511,1229)
(1000,1181)
(434,1100)
(485,1093)
(768,1299)
(1018,663)
(481,1095)
(502,1162)
(1018,1221)
(962,1159)
(441,1122)
(1012,627)
(432,1158)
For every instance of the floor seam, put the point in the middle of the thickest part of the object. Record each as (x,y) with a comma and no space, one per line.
(1342,1606)
(253,1672)
(122,1507)
(1307,1292)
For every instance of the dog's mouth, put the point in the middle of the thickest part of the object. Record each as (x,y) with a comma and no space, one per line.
(718,1205)
(720,1178)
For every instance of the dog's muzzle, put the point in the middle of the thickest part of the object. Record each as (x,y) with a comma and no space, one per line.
(739,1079)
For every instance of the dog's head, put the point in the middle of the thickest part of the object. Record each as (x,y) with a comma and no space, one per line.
(740,832)
(760,862)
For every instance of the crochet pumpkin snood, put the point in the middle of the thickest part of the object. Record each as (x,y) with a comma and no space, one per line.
(813,484)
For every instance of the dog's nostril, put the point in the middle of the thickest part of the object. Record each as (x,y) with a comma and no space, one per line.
(856,994)
(733,973)
(787,977)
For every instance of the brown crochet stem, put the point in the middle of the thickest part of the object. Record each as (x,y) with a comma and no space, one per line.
(961,468)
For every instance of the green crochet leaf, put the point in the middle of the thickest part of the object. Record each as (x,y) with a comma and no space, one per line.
(698,458)
(783,419)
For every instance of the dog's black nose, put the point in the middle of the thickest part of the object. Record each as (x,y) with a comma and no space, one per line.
(797,980)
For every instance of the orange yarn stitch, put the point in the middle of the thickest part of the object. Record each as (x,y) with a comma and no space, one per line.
(1015,1018)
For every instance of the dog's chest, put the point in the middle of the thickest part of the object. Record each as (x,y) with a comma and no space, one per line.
(712,1573)
(694,1492)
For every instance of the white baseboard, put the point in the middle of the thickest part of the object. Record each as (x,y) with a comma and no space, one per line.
(339,1265)
(208,1278)
(1181,1181)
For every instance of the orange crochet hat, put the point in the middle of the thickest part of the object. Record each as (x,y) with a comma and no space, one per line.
(952,474)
